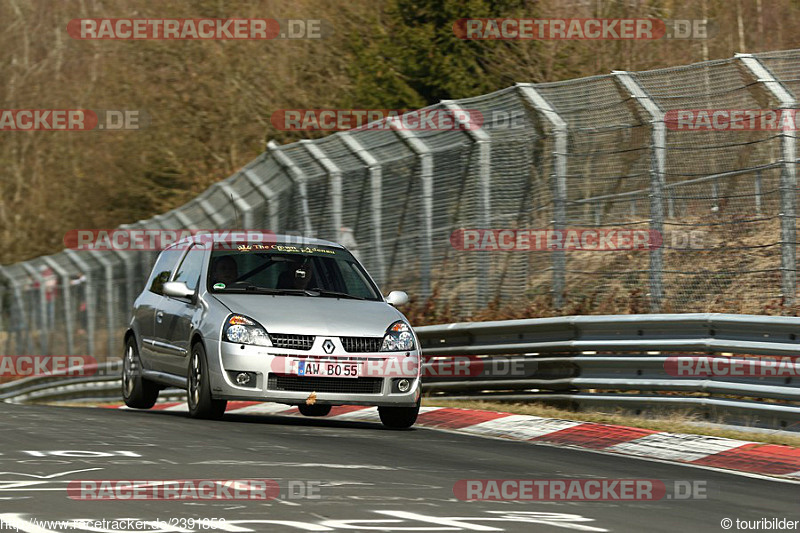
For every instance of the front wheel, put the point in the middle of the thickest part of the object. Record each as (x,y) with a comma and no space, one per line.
(137,392)
(201,404)
(398,417)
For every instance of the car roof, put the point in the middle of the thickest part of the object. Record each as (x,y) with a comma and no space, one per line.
(273,238)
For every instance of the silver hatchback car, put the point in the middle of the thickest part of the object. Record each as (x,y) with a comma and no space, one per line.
(294,321)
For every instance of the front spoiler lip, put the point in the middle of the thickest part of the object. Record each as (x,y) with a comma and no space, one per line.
(322,398)
(408,399)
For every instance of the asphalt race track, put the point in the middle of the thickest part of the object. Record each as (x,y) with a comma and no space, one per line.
(344,476)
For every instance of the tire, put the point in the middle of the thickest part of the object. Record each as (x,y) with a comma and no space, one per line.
(399,417)
(314,410)
(201,404)
(137,392)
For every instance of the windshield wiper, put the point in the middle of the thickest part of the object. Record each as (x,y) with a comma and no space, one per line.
(266,290)
(323,292)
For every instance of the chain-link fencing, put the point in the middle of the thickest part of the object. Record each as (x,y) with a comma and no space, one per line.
(598,152)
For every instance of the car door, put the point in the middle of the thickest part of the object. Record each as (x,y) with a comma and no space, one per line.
(175,318)
(148,305)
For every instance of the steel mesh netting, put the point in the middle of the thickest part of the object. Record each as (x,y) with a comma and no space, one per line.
(520,191)
(400,206)
(734,215)
(356,231)
(317,194)
(455,276)
(607,185)
(720,192)
(278,182)
(785,66)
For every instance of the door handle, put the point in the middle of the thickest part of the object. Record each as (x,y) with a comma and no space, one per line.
(159,316)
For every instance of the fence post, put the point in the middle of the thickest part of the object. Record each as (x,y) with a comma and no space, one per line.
(658,131)
(66,297)
(481,140)
(90,300)
(299,179)
(559,182)
(43,315)
(216,217)
(21,329)
(240,205)
(269,196)
(426,178)
(376,184)
(111,315)
(335,176)
(758,192)
(788,186)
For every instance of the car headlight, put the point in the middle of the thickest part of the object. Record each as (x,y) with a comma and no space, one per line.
(242,330)
(398,338)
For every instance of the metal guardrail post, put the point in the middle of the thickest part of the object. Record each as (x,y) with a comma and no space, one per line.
(111,315)
(66,297)
(216,218)
(657,180)
(559,181)
(21,330)
(42,315)
(269,196)
(335,176)
(130,288)
(482,141)
(299,179)
(375,179)
(74,256)
(788,185)
(183,219)
(426,178)
(241,205)
(757,192)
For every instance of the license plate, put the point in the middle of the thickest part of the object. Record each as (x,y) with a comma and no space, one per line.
(328,370)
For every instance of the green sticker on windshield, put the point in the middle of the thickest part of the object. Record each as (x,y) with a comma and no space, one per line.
(219,285)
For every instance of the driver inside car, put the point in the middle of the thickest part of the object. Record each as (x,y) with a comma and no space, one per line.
(225,270)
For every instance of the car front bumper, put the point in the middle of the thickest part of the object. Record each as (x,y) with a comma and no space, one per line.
(273,382)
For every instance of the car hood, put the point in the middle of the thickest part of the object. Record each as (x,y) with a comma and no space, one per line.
(314,315)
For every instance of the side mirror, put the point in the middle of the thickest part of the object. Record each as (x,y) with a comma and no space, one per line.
(396,298)
(178,289)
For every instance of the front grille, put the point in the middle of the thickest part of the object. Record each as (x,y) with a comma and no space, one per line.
(361,344)
(318,384)
(294,342)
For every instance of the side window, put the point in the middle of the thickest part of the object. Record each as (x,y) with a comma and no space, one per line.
(162,270)
(189,269)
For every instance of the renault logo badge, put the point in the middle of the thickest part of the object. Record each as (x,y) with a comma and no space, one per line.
(328,346)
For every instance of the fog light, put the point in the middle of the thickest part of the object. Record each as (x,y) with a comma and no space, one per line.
(403,385)
(243,378)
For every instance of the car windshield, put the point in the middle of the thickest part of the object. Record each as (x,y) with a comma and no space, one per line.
(289,269)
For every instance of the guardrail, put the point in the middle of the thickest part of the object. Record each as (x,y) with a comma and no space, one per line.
(622,362)
(578,361)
